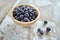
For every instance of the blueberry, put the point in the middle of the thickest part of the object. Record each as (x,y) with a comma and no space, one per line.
(33,17)
(30,10)
(25,9)
(26,15)
(41,32)
(18,14)
(39,29)
(45,22)
(48,29)
(15,17)
(16,10)
(30,19)
(21,17)
(30,15)
(18,18)
(21,10)
(34,10)
(26,20)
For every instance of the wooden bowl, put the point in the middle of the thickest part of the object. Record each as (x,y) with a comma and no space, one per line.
(25,24)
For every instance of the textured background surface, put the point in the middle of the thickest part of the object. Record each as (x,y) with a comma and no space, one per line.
(13,31)
(50,10)
(5,5)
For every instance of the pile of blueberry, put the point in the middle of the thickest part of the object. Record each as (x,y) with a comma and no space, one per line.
(25,13)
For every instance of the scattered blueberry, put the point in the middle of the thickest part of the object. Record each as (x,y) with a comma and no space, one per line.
(48,29)
(45,22)
(25,13)
(39,29)
(41,32)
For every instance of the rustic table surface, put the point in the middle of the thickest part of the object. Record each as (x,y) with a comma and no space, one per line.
(49,11)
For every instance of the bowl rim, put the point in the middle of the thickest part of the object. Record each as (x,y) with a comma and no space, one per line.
(11,14)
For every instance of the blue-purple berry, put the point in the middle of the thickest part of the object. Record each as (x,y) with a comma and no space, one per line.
(48,29)
(45,22)
(41,32)
(26,20)
(21,17)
